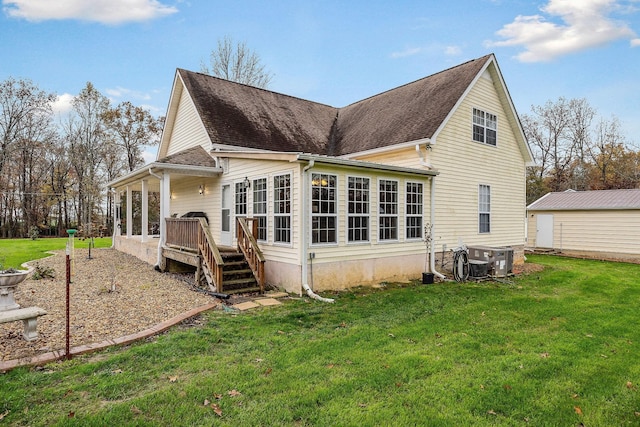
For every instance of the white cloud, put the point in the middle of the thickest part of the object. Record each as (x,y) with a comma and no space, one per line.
(635,43)
(103,11)
(452,50)
(585,24)
(120,92)
(62,104)
(407,52)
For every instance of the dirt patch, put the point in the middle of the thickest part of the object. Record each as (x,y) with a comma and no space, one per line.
(112,295)
(527,268)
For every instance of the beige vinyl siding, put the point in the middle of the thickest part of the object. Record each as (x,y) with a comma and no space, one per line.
(616,231)
(186,198)
(187,130)
(254,169)
(344,250)
(464,165)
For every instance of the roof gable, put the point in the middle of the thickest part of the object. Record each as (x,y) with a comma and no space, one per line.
(237,115)
(588,200)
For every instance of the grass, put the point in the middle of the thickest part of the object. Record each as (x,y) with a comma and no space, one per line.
(14,252)
(554,348)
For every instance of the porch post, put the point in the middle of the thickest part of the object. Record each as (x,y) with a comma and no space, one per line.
(165,206)
(145,210)
(129,212)
(117,223)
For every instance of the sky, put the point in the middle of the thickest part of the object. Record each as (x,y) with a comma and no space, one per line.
(332,52)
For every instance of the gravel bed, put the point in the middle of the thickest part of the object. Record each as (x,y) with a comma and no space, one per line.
(111,295)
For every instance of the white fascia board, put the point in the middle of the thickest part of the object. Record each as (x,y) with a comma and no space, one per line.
(388,148)
(145,172)
(337,161)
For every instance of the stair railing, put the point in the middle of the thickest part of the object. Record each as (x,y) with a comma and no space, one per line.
(249,246)
(210,254)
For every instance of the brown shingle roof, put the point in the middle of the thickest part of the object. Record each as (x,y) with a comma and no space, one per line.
(588,200)
(245,116)
(195,156)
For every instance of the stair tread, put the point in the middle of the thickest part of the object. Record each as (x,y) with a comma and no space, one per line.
(243,271)
(239,281)
(242,290)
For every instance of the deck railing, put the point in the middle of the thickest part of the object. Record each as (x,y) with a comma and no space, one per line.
(249,247)
(210,254)
(183,233)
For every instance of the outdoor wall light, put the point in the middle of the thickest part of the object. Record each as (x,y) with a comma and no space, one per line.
(201,189)
(246,182)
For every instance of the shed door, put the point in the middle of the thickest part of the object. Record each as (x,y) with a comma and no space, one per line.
(544,231)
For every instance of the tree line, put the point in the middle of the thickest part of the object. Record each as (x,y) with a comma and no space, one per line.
(53,171)
(576,149)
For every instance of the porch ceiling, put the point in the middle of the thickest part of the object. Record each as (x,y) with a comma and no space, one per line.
(149,172)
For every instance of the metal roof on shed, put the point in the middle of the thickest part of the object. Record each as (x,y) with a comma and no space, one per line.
(588,200)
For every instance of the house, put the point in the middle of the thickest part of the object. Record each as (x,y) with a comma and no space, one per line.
(326,198)
(601,223)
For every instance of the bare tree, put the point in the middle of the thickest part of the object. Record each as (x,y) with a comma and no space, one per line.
(236,62)
(86,137)
(133,128)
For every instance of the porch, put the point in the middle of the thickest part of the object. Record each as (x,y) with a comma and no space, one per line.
(189,242)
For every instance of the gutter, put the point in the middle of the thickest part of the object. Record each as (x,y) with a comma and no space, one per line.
(305,233)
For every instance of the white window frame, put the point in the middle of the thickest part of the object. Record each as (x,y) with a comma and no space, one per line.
(256,202)
(388,209)
(278,208)
(487,122)
(324,208)
(484,208)
(365,208)
(418,203)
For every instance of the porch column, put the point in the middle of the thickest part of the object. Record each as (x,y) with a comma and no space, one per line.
(129,212)
(117,220)
(145,210)
(165,205)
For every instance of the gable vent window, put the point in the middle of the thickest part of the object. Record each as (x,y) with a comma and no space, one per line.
(485,127)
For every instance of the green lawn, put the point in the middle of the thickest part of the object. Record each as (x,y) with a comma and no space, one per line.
(13,252)
(554,348)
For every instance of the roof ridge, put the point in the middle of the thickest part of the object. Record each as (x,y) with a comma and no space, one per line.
(254,87)
(419,80)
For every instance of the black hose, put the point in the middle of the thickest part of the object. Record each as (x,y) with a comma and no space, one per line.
(460,266)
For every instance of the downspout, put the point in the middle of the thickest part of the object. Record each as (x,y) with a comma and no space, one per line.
(432,255)
(305,233)
(162,237)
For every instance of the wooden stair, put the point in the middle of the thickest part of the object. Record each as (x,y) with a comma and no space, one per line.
(237,276)
(221,269)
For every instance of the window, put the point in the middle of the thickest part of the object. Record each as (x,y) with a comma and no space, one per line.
(388,209)
(414,210)
(358,209)
(484,209)
(241,199)
(485,126)
(282,208)
(260,207)
(323,208)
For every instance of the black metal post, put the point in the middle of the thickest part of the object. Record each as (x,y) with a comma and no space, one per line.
(67,349)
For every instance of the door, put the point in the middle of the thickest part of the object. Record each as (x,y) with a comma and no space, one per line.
(544,231)
(225,232)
